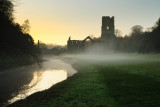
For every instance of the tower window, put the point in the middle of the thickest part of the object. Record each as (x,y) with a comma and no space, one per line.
(107,27)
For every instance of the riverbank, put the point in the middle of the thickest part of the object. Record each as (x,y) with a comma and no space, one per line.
(18,83)
(15,59)
(122,83)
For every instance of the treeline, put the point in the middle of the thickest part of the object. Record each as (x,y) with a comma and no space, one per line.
(139,40)
(52,49)
(15,41)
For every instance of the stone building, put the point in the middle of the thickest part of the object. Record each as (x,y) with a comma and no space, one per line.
(77,45)
(107,36)
(107,28)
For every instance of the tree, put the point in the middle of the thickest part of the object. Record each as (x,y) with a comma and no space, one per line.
(118,33)
(155,36)
(6,10)
(26,27)
(136,30)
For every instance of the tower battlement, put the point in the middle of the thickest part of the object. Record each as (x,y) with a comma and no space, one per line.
(108,17)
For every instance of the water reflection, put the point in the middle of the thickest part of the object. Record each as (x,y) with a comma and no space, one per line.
(37,79)
(41,80)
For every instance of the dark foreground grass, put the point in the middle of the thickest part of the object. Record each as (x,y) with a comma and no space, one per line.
(103,85)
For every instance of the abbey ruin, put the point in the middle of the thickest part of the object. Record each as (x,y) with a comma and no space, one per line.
(107,36)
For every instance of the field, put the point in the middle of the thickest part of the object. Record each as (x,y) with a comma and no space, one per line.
(132,81)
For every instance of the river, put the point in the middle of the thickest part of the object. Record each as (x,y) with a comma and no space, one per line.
(18,83)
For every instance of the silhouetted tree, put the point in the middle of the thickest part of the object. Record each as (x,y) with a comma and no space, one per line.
(6,10)
(26,27)
(118,33)
(14,39)
(135,38)
(136,30)
(139,41)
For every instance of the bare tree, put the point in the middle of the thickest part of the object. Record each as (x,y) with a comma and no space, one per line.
(26,27)
(118,33)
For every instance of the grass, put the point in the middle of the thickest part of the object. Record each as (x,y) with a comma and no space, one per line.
(107,84)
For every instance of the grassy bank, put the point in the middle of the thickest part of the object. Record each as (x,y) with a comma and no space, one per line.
(123,83)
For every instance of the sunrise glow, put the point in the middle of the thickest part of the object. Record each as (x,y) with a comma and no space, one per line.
(54,21)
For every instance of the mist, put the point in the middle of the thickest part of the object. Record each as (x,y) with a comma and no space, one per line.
(99,54)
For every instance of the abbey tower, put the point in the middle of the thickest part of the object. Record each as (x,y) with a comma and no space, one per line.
(107,28)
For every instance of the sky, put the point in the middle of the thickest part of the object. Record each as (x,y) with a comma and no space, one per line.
(53,21)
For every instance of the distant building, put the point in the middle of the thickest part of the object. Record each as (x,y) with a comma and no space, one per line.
(107,28)
(107,36)
(76,45)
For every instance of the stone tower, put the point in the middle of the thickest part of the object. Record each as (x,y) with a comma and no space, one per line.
(107,28)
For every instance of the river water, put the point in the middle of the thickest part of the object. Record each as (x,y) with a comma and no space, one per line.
(21,82)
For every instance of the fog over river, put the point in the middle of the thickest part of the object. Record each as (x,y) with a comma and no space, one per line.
(21,82)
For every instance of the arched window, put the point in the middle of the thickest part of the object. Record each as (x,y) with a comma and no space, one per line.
(107,27)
